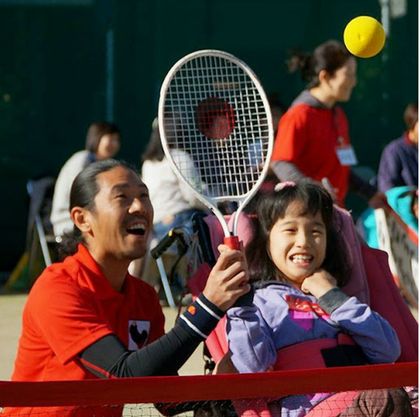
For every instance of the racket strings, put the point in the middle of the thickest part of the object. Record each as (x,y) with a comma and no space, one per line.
(215,115)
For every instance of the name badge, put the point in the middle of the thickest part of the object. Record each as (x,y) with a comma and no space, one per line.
(346,155)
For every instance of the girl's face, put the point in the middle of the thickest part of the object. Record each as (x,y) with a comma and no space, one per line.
(342,82)
(297,244)
(108,146)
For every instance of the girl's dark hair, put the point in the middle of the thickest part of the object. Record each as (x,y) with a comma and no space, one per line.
(272,207)
(95,132)
(411,115)
(329,56)
(82,194)
(154,150)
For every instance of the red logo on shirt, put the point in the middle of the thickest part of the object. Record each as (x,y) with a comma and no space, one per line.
(306,306)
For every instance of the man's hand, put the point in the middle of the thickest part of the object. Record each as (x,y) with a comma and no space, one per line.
(228,280)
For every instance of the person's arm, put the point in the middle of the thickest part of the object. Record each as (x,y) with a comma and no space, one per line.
(252,345)
(389,172)
(358,185)
(361,187)
(368,329)
(371,332)
(108,357)
(286,171)
(227,282)
(183,159)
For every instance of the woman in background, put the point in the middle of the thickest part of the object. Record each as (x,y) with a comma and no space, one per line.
(102,142)
(174,201)
(313,136)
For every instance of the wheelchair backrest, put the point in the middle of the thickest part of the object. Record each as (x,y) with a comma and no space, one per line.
(370,281)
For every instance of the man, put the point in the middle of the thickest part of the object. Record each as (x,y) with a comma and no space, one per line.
(87,317)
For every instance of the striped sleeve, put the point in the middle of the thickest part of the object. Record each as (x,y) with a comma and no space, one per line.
(201,317)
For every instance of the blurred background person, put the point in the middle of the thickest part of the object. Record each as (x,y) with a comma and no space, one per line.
(313,135)
(103,141)
(399,164)
(174,205)
(277,108)
(174,202)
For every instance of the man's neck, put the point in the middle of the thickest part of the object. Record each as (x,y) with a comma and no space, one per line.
(114,270)
(115,275)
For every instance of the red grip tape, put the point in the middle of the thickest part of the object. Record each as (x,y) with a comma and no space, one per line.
(232,242)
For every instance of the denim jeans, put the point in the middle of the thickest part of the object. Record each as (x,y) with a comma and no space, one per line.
(182,219)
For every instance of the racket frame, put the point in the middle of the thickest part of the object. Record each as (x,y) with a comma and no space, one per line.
(208,201)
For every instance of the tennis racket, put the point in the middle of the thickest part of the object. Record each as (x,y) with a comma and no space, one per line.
(216,130)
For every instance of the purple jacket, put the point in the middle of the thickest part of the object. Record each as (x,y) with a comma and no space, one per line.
(256,332)
(399,164)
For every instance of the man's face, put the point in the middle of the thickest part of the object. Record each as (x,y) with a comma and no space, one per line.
(122,219)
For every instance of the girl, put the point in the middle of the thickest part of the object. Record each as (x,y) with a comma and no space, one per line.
(313,135)
(298,268)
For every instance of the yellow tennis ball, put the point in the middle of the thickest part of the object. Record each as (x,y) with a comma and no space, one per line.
(364,36)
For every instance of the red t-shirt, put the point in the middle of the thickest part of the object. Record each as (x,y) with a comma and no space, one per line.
(307,137)
(71,306)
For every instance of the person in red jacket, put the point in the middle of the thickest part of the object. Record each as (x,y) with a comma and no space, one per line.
(86,317)
(313,135)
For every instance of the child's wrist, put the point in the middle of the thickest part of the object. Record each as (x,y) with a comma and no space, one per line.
(320,292)
(332,299)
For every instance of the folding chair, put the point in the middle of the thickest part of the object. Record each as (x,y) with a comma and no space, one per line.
(39,229)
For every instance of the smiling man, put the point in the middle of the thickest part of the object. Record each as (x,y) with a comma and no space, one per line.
(86,317)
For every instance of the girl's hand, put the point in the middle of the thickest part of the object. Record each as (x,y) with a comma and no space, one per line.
(228,280)
(319,283)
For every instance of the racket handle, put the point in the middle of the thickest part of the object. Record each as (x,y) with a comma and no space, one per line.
(232,242)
